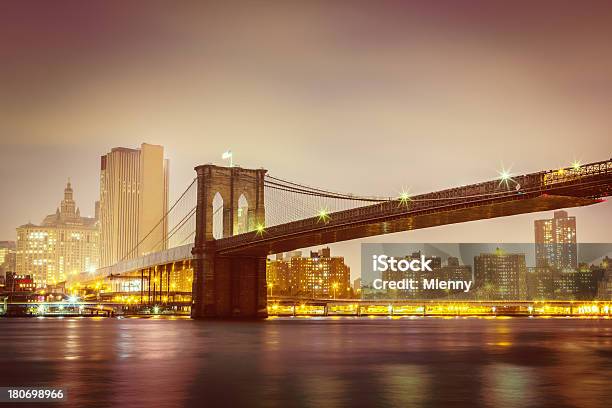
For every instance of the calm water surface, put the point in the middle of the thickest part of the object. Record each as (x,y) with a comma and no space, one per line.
(302,362)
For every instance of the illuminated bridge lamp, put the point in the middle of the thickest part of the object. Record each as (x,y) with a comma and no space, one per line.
(260,229)
(404,198)
(576,164)
(323,215)
(505,177)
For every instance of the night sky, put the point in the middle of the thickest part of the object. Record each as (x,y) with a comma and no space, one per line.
(363,97)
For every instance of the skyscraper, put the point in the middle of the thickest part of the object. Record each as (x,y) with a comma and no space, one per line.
(7,257)
(555,242)
(64,244)
(133,200)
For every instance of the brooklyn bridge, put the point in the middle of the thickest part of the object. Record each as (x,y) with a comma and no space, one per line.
(229,220)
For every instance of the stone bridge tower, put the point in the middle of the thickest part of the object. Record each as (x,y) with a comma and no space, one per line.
(228,285)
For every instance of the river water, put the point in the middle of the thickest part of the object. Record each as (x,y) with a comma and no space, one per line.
(312,362)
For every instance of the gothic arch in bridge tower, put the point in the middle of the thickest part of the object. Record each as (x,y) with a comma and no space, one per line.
(232,184)
(217,216)
(243,217)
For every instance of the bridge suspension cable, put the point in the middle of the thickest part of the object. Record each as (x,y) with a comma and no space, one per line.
(292,186)
(177,207)
(288,201)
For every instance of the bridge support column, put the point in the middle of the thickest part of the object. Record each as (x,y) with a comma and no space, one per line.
(229,286)
(203,294)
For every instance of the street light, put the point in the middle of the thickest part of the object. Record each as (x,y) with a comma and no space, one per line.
(323,215)
(335,287)
(404,197)
(270,286)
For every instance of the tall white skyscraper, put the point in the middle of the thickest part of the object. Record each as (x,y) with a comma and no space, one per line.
(133,200)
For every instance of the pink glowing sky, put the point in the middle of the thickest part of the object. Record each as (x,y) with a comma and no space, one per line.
(366,97)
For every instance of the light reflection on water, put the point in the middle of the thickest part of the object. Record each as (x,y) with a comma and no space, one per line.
(313,362)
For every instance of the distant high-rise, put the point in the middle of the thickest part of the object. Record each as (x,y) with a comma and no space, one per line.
(133,201)
(357,285)
(555,242)
(604,287)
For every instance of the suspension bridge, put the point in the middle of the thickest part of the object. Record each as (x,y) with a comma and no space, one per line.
(229,219)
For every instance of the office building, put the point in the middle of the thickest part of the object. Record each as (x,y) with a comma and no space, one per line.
(540,283)
(555,242)
(7,257)
(133,200)
(318,276)
(63,244)
(500,275)
(357,286)
(604,286)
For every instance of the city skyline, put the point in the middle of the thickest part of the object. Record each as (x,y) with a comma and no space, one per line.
(315,203)
(501,272)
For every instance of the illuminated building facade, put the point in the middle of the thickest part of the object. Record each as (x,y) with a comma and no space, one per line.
(63,244)
(540,283)
(7,257)
(279,278)
(133,198)
(604,286)
(555,241)
(357,286)
(546,283)
(500,275)
(317,276)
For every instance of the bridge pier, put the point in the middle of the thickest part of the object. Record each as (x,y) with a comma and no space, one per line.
(228,286)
